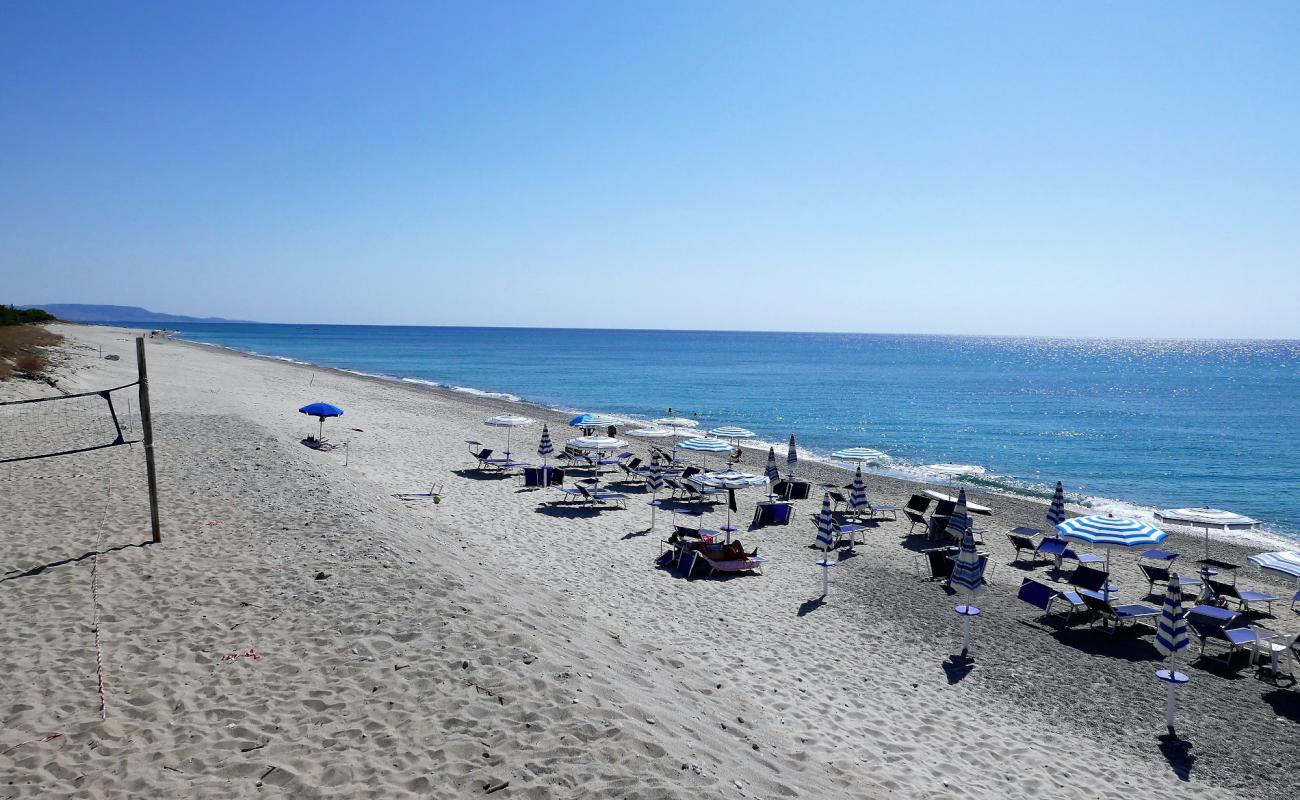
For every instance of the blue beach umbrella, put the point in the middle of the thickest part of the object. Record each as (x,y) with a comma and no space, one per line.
(1056,513)
(858,494)
(826,525)
(545,447)
(772,473)
(321,411)
(1110,532)
(791,458)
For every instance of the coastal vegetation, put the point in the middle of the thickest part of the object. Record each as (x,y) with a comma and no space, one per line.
(23,343)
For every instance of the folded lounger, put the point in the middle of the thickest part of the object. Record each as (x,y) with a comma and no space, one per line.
(772,514)
(1042,596)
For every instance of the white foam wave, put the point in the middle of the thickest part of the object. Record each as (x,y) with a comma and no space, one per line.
(470,390)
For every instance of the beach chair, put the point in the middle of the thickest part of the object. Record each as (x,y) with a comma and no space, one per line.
(799,490)
(1226,592)
(915,512)
(596,497)
(485,460)
(1280,654)
(1158,574)
(773,513)
(730,558)
(937,563)
(1107,612)
(1092,580)
(838,501)
(1022,539)
(536,477)
(1227,628)
(1042,596)
(873,510)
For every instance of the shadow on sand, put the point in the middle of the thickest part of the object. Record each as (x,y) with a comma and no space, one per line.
(37,570)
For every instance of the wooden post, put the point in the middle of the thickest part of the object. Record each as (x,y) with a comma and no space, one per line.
(146,425)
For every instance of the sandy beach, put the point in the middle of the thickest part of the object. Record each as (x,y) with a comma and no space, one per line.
(303,632)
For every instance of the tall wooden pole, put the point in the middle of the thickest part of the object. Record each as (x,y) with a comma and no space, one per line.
(146,424)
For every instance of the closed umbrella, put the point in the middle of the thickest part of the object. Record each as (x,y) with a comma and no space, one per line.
(1171,636)
(654,481)
(826,525)
(967,574)
(772,473)
(509,422)
(545,447)
(858,494)
(321,411)
(791,458)
(1056,511)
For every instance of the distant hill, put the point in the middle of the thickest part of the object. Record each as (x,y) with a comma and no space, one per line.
(77,312)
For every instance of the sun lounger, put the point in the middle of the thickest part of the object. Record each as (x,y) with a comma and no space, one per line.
(1040,595)
(838,501)
(854,531)
(1093,580)
(1156,574)
(937,562)
(1127,613)
(487,462)
(1242,597)
(537,477)
(749,563)
(777,513)
(598,497)
(915,513)
(1023,539)
(1214,624)
(1277,654)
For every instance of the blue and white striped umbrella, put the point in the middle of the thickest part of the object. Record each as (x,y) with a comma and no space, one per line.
(791,457)
(967,574)
(860,455)
(826,525)
(1171,631)
(858,494)
(772,473)
(732,432)
(676,422)
(545,447)
(598,444)
(654,477)
(1108,531)
(959,521)
(1286,562)
(706,445)
(593,421)
(1056,513)
(652,433)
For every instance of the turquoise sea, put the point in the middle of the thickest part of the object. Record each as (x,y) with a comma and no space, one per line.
(1151,423)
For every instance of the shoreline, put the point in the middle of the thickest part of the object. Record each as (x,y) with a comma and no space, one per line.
(1262,539)
(504,637)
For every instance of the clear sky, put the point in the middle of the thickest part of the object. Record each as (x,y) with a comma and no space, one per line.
(1038,168)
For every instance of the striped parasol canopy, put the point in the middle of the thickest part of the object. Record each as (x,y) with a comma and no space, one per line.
(593,421)
(706,444)
(651,433)
(1056,512)
(727,479)
(1171,630)
(772,473)
(1107,531)
(599,444)
(858,494)
(860,455)
(1287,562)
(545,447)
(676,422)
(1207,517)
(791,456)
(826,525)
(732,432)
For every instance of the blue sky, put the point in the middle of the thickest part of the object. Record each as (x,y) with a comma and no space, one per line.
(1032,168)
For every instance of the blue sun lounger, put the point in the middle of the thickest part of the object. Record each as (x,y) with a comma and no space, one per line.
(1228,628)
(1127,613)
(1042,596)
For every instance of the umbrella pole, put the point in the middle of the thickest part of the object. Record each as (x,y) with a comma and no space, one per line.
(320,432)
(965,642)
(1171,706)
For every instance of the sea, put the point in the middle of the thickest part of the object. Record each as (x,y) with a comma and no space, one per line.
(1128,425)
